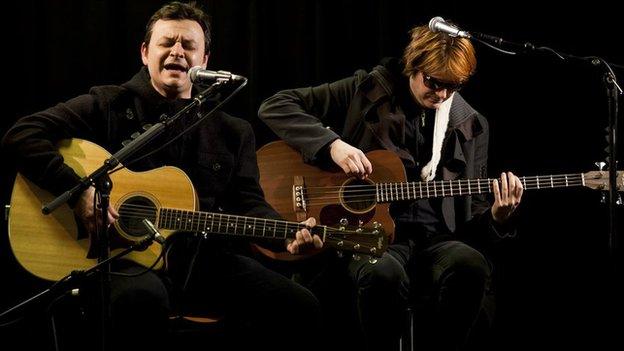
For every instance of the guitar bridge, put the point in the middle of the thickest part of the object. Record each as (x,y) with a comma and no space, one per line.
(299,201)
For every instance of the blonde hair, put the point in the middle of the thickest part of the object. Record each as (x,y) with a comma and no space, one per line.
(439,55)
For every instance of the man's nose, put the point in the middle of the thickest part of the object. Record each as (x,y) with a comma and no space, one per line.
(442,93)
(177,50)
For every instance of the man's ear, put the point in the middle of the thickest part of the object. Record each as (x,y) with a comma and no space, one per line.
(144,53)
(206,57)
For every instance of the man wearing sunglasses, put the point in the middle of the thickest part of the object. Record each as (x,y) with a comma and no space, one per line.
(412,107)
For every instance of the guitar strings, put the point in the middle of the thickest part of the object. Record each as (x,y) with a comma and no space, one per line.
(134,211)
(560,179)
(393,191)
(415,190)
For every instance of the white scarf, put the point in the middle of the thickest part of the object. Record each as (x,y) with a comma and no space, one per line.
(428,172)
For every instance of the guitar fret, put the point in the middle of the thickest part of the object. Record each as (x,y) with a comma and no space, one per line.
(479,185)
(245,226)
(538,184)
(235,225)
(414,189)
(566,180)
(219,221)
(402,195)
(292,230)
(489,186)
(189,221)
(459,185)
(226,222)
(264,228)
(175,220)
(163,218)
(551,182)
(420,187)
(377,192)
(442,184)
(396,189)
(197,217)
(181,220)
(435,190)
(469,191)
(427,185)
(524,182)
(274,229)
(451,186)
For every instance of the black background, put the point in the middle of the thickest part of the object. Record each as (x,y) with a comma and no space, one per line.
(557,281)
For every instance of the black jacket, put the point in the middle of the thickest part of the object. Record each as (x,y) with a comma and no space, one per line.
(363,111)
(218,156)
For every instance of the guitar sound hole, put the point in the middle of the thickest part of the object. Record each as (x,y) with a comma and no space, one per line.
(358,195)
(132,212)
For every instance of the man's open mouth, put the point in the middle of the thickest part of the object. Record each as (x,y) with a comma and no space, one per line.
(176,67)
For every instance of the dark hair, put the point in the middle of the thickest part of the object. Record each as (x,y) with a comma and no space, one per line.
(180,11)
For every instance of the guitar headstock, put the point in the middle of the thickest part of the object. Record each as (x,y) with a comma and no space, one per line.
(359,240)
(599,180)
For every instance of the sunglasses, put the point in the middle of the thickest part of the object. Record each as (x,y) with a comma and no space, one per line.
(436,85)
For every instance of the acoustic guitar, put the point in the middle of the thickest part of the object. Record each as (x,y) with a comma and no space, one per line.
(298,190)
(51,246)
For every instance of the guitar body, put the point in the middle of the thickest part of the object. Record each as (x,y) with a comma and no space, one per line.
(328,193)
(51,246)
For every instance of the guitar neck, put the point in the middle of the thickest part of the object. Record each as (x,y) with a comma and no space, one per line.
(389,192)
(241,226)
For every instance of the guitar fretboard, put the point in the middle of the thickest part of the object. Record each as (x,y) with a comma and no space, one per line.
(387,192)
(217,223)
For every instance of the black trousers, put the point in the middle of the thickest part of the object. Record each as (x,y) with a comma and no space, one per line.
(261,308)
(446,281)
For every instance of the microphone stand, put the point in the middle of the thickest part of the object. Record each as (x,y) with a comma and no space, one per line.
(103,186)
(613,91)
(66,285)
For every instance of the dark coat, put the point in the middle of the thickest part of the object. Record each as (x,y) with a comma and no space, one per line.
(218,155)
(363,111)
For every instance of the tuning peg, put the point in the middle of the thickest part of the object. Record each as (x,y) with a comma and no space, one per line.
(372,260)
(339,254)
(603,197)
(376,225)
(619,200)
(601,165)
(356,257)
(344,222)
(360,222)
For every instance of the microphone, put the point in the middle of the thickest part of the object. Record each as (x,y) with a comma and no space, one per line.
(201,76)
(438,24)
(154,233)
